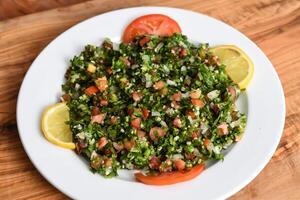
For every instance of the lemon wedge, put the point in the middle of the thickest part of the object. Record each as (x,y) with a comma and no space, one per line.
(239,67)
(54,127)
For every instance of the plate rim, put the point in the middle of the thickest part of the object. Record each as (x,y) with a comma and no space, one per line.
(229,193)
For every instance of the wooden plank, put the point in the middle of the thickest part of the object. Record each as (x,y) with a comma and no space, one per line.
(273,25)
(15,8)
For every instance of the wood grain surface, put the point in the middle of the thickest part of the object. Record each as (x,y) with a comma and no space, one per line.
(14,8)
(274,25)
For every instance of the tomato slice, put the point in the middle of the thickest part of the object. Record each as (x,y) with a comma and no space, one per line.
(155,24)
(169,178)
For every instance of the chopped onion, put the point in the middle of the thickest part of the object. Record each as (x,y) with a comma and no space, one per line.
(155,113)
(235,123)
(163,123)
(185,95)
(158,47)
(203,128)
(115,46)
(146,58)
(148,80)
(93,155)
(81,135)
(166,69)
(134,66)
(170,111)
(213,94)
(216,149)
(177,156)
(170,82)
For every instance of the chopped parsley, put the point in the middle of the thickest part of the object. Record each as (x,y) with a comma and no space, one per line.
(163,105)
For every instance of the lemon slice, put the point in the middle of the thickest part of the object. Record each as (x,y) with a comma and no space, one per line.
(54,127)
(239,67)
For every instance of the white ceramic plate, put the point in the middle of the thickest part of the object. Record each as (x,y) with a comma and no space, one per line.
(263,103)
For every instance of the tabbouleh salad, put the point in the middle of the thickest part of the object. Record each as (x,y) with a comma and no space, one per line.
(158,104)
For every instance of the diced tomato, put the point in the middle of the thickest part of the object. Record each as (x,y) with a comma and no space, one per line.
(130,111)
(129,144)
(113,119)
(136,123)
(102,142)
(232,92)
(191,114)
(175,105)
(109,70)
(102,83)
(155,24)
(156,133)
(137,96)
(195,94)
(177,96)
(159,85)
(198,103)
(108,162)
(98,118)
(95,111)
(207,143)
(169,178)
(179,164)
(146,113)
(222,129)
(118,146)
(144,40)
(103,102)
(91,90)
(177,122)
(141,133)
(183,52)
(195,135)
(154,162)
(66,97)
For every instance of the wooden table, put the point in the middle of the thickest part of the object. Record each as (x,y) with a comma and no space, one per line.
(273,24)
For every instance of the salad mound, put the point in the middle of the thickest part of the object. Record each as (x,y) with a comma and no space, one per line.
(158,104)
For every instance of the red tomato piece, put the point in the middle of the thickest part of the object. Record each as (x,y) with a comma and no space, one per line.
(144,41)
(179,164)
(137,96)
(146,113)
(169,178)
(103,102)
(156,133)
(102,142)
(154,162)
(177,122)
(198,103)
(136,123)
(91,90)
(154,24)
